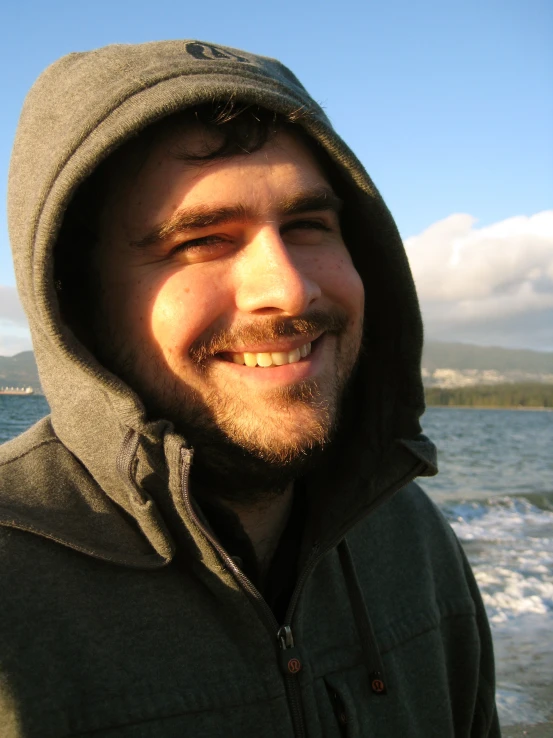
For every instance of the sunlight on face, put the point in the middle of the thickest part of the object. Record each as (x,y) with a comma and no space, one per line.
(231,302)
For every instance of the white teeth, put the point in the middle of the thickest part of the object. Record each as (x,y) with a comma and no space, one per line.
(280,358)
(294,356)
(275,358)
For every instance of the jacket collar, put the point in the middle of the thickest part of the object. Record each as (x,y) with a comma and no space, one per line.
(133,523)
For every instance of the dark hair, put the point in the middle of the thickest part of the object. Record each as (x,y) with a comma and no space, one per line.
(230,128)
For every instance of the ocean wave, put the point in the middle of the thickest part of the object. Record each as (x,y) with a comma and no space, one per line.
(509,541)
(504,518)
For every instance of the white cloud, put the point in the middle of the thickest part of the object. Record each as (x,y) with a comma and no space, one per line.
(499,277)
(10,307)
(13,344)
(14,331)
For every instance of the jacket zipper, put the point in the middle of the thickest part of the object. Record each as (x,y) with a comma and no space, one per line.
(291,665)
(285,638)
(283,634)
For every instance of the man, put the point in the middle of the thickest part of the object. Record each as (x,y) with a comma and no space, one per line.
(217,531)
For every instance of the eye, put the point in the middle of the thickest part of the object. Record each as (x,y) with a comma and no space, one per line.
(204,248)
(304,225)
(309,232)
(197,242)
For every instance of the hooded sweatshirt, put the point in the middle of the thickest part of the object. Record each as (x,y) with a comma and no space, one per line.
(123,614)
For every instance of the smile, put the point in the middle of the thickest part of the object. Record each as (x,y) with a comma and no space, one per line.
(267,359)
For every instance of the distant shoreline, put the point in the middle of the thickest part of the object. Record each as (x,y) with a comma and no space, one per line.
(493,407)
(538,408)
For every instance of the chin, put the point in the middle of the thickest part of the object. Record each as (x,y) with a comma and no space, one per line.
(245,457)
(283,432)
(287,448)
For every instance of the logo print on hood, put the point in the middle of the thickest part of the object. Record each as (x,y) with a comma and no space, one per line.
(211,53)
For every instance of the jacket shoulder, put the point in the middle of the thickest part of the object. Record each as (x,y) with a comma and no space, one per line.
(408,543)
(39,434)
(415,516)
(37,471)
(45,490)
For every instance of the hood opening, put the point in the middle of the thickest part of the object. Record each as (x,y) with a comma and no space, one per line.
(63,138)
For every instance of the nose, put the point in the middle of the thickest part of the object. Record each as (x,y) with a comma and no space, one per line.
(270,280)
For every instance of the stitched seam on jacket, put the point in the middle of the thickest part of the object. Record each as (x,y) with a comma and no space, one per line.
(30,450)
(388,638)
(163,715)
(90,552)
(424,631)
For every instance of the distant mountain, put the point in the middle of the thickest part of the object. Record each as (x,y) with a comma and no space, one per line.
(439,354)
(444,365)
(462,365)
(20,371)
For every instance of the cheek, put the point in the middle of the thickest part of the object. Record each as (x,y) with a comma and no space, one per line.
(181,310)
(171,314)
(340,280)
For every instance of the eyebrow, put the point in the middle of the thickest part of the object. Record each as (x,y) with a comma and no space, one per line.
(204,216)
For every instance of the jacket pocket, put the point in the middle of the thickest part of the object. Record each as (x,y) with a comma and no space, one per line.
(338,708)
(353,710)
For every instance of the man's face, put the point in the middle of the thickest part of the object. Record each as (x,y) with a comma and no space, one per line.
(229,301)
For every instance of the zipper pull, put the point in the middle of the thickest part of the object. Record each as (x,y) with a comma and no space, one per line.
(289,655)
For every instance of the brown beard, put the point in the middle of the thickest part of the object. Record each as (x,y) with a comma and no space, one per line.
(229,459)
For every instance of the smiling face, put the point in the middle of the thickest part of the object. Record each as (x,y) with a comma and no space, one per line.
(230,303)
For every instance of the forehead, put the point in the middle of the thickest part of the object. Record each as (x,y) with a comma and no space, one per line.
(150,185)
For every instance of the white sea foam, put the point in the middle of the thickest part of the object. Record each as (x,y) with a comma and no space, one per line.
(510,544)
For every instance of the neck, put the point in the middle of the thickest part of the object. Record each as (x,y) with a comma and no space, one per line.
(264,524)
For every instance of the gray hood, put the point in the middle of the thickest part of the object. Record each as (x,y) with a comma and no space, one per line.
(79,111)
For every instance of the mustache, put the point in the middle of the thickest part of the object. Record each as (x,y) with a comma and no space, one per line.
(333,321)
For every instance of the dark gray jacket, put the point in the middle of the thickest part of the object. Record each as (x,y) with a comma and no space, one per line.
(122,615)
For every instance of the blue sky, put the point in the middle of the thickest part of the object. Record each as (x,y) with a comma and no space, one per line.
(448,105)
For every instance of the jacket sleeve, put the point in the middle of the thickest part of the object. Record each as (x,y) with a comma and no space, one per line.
(485,722)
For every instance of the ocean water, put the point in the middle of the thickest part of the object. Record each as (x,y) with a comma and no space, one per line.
(18,412)
(496,489)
